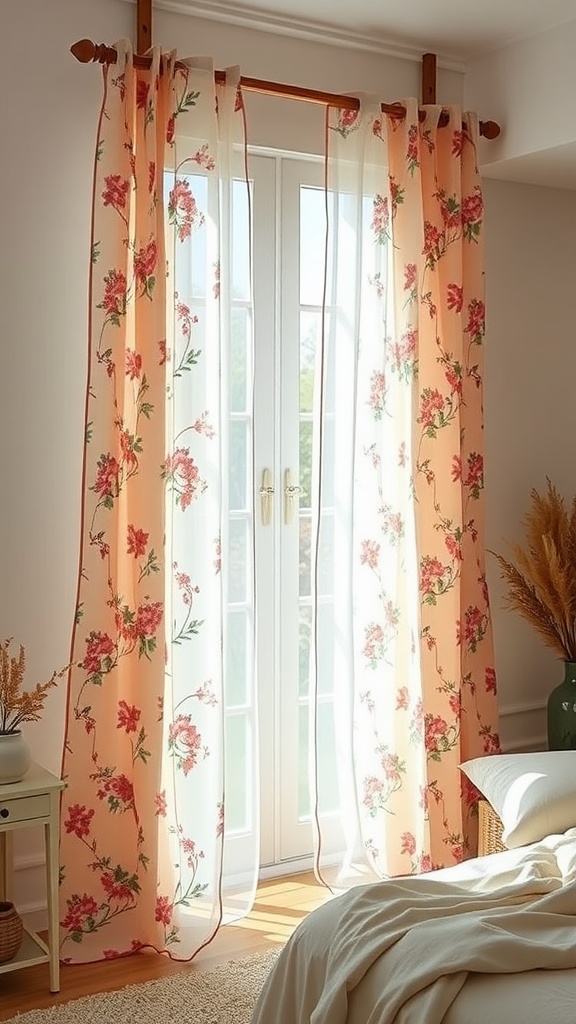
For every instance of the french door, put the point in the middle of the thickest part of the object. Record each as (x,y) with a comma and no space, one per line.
(270,521)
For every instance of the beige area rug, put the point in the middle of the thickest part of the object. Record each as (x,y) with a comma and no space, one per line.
(223,995)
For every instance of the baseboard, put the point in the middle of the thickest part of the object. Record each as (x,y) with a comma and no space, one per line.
(29,889)
(526,746)
(522,727)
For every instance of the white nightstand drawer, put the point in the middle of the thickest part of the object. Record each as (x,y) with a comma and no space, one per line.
(24,808)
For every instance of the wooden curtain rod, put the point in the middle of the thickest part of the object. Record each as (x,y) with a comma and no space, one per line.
(87,52)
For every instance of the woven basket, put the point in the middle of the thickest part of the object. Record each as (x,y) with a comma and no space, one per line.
(489,830)
(11,931)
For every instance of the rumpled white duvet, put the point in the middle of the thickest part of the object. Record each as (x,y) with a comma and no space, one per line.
(413,950)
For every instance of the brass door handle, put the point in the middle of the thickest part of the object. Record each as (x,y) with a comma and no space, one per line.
(266,498)
(290,492)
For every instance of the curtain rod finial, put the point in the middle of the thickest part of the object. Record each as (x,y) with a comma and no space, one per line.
(88,52)
(490,129)
(84,50)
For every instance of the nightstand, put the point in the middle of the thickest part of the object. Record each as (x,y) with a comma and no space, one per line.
(35,800)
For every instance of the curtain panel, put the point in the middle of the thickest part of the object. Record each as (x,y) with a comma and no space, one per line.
(399,398)
(143,815)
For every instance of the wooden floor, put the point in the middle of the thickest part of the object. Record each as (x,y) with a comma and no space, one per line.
(280,904)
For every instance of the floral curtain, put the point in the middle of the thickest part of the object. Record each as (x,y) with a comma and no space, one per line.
(401,619)
(399,398)
(143,814)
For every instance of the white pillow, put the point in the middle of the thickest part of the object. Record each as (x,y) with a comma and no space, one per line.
(534,795)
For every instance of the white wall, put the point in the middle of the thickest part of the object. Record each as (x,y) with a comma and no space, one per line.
(530,369)
(298,62)
(48,115)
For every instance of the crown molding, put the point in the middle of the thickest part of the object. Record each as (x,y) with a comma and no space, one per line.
(297,28)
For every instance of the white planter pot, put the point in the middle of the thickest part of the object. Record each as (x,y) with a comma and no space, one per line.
(15,757)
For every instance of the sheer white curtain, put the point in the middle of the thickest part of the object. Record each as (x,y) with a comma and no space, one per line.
(209,531)
(363,583)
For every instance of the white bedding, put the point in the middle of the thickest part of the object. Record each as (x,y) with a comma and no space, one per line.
(473,944)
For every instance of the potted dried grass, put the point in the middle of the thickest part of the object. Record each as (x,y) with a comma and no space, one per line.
(18,705)
(541,582)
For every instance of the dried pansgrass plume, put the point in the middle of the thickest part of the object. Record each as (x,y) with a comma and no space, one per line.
(541,577)
(18,705)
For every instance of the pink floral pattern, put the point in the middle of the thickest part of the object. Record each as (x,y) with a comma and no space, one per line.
(141,828)
(183,211)
(425,685)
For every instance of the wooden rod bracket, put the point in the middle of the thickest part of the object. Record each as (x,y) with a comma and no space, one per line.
(428,78)
(143,25)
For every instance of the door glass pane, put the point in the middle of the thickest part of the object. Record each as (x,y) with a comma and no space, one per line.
(310,330)
(305,526)
(329,467)
(237,773)
(237,650)
(310,340)
(304,641)
(326,556)
(239,360)
(331,327)
(303,789)
(326,645)
(325,641)
(312,246)
(238,463)
(327,765)
(237,560)
(240,241)
(306,428)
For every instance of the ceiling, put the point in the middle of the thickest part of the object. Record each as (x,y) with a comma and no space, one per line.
(456,30)
(552,168)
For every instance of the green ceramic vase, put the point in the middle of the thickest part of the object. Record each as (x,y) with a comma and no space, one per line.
(562,711)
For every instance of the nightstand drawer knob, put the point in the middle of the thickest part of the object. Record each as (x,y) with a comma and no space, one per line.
(4,812)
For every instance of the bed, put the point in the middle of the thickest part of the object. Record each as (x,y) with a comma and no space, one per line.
(489,941)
